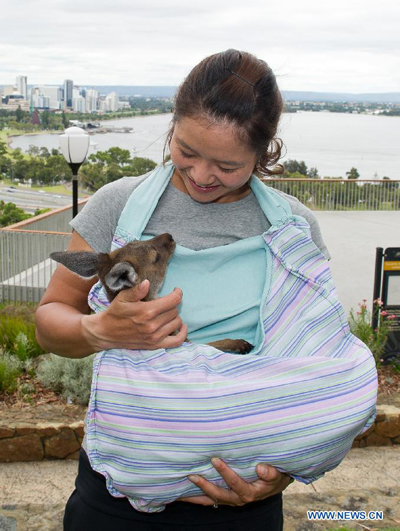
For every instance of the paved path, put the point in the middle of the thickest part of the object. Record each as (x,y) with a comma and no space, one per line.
(34,494)
(352,238)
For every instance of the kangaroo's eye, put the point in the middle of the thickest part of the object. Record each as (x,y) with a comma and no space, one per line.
(154,255)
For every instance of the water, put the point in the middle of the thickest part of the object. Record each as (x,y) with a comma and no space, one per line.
(332,143)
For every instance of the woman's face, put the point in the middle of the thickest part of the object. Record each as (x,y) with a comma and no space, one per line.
(211,164)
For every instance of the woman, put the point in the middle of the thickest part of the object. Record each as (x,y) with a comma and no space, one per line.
(223,130)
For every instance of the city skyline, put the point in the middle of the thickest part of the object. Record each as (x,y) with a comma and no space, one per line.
(80,98)
(57,97)
(346,47)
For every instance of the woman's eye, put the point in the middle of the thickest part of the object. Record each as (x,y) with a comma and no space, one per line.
(184,154)
(228,170)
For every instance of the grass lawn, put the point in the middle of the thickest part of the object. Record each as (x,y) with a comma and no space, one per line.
(57,189)
(9,132)
(61,189)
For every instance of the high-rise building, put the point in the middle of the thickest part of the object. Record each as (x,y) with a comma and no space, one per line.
(79,104)
(92,97)
(112,102)
(38,99)
(68,89)
(54,93)
(22,86)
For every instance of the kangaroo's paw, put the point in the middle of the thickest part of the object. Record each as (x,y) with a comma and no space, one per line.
(237,346)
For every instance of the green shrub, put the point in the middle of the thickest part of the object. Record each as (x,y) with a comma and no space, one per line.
(25,311)
(71,378)
(17,336)
(360,323)
(10,370)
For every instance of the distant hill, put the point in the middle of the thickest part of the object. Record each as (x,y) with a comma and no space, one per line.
(144,91)
(292,95)
(289,95)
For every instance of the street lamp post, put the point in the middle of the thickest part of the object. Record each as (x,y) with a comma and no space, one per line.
(74,144)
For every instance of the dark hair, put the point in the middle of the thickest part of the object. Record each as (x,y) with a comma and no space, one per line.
(237,87)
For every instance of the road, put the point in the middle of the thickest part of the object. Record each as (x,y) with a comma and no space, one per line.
(30,200)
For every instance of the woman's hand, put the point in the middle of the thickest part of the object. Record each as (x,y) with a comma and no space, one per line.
(131,323)
(240,492)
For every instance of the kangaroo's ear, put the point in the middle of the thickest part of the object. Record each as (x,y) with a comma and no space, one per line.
(121,276)
(83,263)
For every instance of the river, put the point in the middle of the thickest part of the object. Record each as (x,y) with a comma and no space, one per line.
(331,142)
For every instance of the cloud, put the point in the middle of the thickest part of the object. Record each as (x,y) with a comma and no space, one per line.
(346,46)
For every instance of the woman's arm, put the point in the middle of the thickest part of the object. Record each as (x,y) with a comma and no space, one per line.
(65,327)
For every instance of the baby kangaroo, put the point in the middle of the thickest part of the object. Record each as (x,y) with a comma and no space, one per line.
(127,267)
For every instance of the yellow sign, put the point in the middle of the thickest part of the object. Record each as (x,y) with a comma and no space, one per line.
(391,265)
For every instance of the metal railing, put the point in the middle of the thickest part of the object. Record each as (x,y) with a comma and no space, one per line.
(339,194)
(25,266)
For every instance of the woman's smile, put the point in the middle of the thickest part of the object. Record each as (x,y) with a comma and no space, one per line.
(205,188)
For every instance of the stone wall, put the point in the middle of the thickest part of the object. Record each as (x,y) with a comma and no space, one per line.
(384,432)
(30,441)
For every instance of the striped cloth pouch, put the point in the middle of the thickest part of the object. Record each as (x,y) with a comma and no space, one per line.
(157,416)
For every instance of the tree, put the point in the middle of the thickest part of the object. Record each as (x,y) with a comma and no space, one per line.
(5,162)
(65,120)
(352,174)
(33,151)
(119,156)
(58,168)
(40,211)
(45,119)
(19,114)
(44,152)
(140,166)
(313,173)
(3,148)
(294,166)
(93,176)
(389,186)
(114,155)
(10,214)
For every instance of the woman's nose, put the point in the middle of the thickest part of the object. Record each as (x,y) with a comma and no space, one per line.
(202,173)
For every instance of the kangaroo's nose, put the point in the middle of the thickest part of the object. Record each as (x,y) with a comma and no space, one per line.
(166,237)
(164,240)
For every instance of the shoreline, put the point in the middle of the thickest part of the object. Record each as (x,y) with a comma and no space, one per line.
(35,133)
(59,132)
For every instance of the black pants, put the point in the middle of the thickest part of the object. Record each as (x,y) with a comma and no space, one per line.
(91,507)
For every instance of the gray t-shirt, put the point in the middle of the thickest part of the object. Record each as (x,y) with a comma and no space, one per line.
(193,225)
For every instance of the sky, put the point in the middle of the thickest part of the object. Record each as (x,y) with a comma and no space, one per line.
(342,46)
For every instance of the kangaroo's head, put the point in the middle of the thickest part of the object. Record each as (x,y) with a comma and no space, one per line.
(125,267)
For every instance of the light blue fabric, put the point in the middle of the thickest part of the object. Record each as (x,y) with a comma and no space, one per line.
(223,287)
